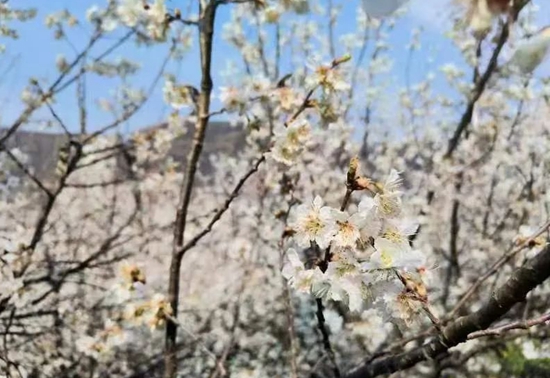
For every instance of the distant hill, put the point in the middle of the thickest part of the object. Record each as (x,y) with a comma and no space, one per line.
(43,148)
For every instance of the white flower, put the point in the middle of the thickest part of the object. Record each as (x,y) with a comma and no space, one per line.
(298,277)
(10,287)
(345,284)
(91,347)
(61,63)
(296,133)
(159,309)
(287,98)
(529,55)
(401,306)
(347,228)
(130,11)
(481,17)
(388,201)
(92,13)
(108,24)
(373,223)
(134,313)
(329,78)
(398,231)
(132,273)
(157,12)
(283,153)
(178,96)
(290,141)
(313,222)
(114,334)
(525,233)
(371,327)
(529,350)
(334,321)
(231,98)
(391,255)
(271,14)
(451,71)
(393,183)
(6,245)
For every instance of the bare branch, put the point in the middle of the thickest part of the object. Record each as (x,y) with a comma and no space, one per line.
(497,331)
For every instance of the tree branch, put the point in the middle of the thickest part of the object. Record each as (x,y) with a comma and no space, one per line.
(522,281)
(207,14)
(497,331)
(217,216)
(480,83)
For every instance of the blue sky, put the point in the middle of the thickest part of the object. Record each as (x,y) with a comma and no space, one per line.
(35,52)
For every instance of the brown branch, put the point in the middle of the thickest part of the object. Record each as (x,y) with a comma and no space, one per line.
(28,172)
(217,216)
(324,265)
(49,93)
(494,268)
(287,297)
(497,331)
(307,100)
(207,14)
(522,281)
(480,83)
(326,337)
(135,107)
(453,269)
(96,184)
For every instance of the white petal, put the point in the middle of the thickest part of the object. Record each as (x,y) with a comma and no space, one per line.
(412,259)
(367,204)
(340,216)
(355,299)
(302,211)
(302,239)
(326,214)
(294,259)
(358,219)
(384,245)
(531,53)
(323,240)
(318,202)
(393,182)
(408,227)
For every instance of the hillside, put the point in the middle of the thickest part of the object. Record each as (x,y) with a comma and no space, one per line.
(42,148)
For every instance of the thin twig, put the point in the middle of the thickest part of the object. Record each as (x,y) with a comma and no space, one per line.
(494,268)
(498,331)
(234,194)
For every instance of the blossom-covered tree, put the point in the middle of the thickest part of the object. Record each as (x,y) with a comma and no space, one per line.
(361,228)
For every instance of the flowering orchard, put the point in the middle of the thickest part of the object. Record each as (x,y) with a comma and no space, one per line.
(363,228)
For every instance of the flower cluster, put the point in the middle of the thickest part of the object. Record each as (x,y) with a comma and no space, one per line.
(133,13)
(141,307)
(11,285)
(8,14)
(290,141)
(327,77)
(178,96)
(363,257)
